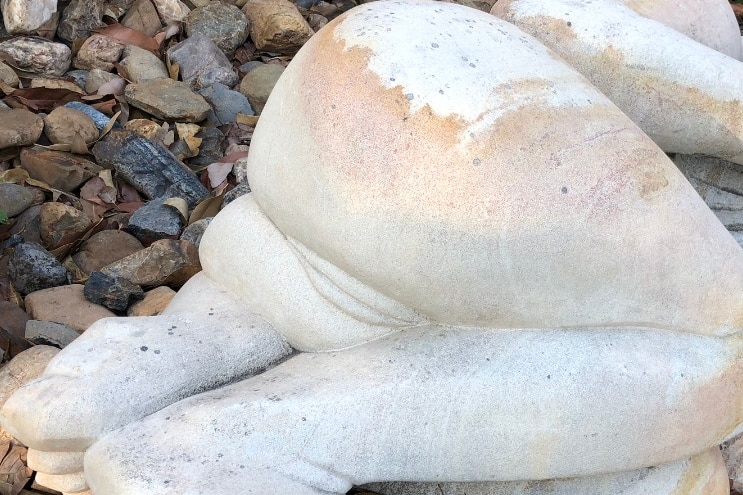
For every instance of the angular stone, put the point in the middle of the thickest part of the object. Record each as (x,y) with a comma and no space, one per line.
(142,16)
(202,63)
(103,248)
(225,103)
(226,25)
(64,125)
(43,82)
(33,268)
(37,55)
(50,333)
(19,127)
(155,301)
(241,189)
(171,10)
(98,52)
(147,129)
(115,293)
(316,21)
(26,225)
(12,319)
(149,167)
(195,231)
(277,26)
(15,199)
(25,16)
(23,368)
(142,65)
(78,76)
(97,78)
(80,18)
(66,305)
(165,262)
(258,84)
(8,75)
(155,221)
(61,170)
(61,224)
(210,151)
(168,100)
(99,118)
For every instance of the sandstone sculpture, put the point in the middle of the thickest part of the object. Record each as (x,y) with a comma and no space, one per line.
(489,272)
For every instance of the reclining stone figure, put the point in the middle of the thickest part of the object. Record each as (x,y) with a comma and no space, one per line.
(460,262)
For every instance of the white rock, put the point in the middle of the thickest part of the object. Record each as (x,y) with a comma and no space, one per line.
(55,462)
(25,16)
(63,482)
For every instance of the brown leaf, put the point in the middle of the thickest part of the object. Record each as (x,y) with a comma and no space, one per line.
(207,208)
(78,145)
(233,157)
(44,99)
(129,207)
(737,9)
(129,36)
(127,194)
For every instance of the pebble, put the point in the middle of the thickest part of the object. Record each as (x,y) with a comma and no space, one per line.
(195,231)
(96,78)
(23,368)
(98,52)
(165,262)
(103,248)
(226,25)
(258,84)
(225,103)
(79,19)
(168,100)
(37,55)
(24,16)
(142,65)
(155,221)
(32,268)
(210,150)
(277,26)
(147,129)
(65,125)
(142,16)
(26,225)
(149,167)
(15,199)
(19,127)
(61,170)
(115,293)
(8,75)
(202,62)
(61,224)
(154,302)
(66,305)
(50,333)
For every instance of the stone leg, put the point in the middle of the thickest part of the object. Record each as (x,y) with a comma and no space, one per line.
(438,404)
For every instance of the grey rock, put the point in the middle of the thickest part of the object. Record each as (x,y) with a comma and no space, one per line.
(210,150)
(100,119)
(97,78)
(12,319)
(171,10)
(27,226)
(167,99)
(115,293)
(149,167)
(202,62)
(103,248)
(50,333)
(79,76)
(142,16)
(248,66)
(79,19)
(155,221)
(15,199)
(19,127)
(33,268)
(165,262)
(8,75)
(258,84)
(195,231)
(37,55)
(225,103)
(224,24)
(241,189)
(142,65)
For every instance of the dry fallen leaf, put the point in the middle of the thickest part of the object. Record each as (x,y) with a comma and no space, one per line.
(129,36)
(207,208)
(179,204)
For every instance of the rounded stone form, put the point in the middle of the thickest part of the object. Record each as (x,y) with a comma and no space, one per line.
(224,24)
(64,125)
(19,127)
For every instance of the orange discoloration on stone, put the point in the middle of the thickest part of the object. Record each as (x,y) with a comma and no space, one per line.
(705,475)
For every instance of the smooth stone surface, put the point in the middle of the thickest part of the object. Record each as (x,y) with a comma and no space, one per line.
(8,75)
(115,293)
(276,26)
(24,16)
(258,84)
(12,319)
(65,305)
(26,225)
(99,118)
(224,24)
(50,333)
(69,483)
(202,62)
(55,462)
(225,103)
(61,224)
(142,65)
(97,78)
(80,18)
(168,100)
(37,55)
(142,16)
(15,199)
(64,125)
(103,248)
(154,221)
(63,171)
(98,52)
(154,302)
(165,262)
(149,167)
(19,127)
(26,366)
(32,268)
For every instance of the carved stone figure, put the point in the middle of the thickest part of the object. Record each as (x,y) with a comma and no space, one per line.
(461,262)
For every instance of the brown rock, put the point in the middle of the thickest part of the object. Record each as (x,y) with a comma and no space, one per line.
(23,368)
(8,75)
(104,248)
(61,224)
(277,26)
(168,100)
(19,127)
(43,82)
(37,55)
(13,319)
(65,125)
(99,52)
(67,305)
(165,262)
(142,16)
(154,302)
(147,129)
(258,84)
(63,171)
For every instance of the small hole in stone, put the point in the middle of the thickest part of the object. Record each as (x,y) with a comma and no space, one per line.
(409,96)
(564,190)
(143,348)
(435,45)
(476,162)
(472,65)
(441,91)
(157,351)
(570,23)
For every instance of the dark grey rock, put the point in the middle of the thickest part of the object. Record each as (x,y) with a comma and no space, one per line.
(155,221)
(100,119)
(27,225)
(224,24)
(79,19)
(248,66)
(115,293)
(210,150)
(149,167)
(195,231)
(33,268)
(239,190)
(225,103)
(15,199)
(202,62)
(50,333)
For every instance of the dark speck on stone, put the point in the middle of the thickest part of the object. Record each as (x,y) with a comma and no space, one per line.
(143,348)
(157,351)
(465,59)
(409,96)
(564,190)
(441,91)
(476,162)
(570,23)
(435,45)
(472,65)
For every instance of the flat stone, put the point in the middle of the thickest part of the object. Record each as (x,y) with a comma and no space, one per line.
(276,26)
(79,76)
(258,84)
(33,268)
(80,18)
(24,16)
(115,293)
(142,16)
(142,65)
(61,170)
(154,221)
(225,103)
(168,100)
(66,305)
(99,118)
(23,368)
(155,301)
(15,199)
(241,189)
(148,166)
(103,248)
(98,52)
(8,75)
(226,25)
(61,224)
(171,10)
(202,63)
(37,55)
(165,262)
(44,82)
(50,333)
(64,125)
(210,151)
(19,127)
